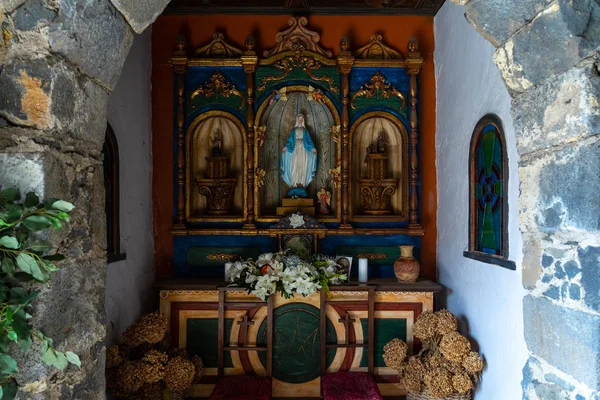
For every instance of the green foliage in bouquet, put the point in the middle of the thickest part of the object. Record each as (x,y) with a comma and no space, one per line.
(26,261)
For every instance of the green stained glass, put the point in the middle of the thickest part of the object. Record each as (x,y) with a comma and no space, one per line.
(487,181)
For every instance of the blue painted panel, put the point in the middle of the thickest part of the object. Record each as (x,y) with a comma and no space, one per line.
(182,244)
(396,76)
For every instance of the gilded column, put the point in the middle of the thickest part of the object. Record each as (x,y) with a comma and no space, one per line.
(345,62)
(414,63)
(179,62)
(249,60)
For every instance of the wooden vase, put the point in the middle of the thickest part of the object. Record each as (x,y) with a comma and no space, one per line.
(406,267)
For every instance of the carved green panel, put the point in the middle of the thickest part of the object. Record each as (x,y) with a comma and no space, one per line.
(296,342)
(386,329)
(268,76)
(202,340)
(380,102)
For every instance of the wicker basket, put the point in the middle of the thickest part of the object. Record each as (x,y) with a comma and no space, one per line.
(426,396)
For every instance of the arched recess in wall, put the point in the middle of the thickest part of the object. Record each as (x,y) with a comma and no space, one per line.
(110,151)
(488,194)
(363,133)
(199,143)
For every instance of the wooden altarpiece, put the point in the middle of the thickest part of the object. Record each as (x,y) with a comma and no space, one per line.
(234,110)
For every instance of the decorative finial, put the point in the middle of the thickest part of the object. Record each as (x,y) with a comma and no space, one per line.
(344,44)
(413,45)
(250,44)
(180,45)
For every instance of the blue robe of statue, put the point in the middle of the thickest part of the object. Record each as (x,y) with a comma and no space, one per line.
(298,162)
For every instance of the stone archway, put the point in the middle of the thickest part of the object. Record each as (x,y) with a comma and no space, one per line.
(548,53)
(59,61)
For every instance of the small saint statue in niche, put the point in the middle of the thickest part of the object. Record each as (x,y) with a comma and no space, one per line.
(324,201)
(298,160)
(216,150)
(381,142)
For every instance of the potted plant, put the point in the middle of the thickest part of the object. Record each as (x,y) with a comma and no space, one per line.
(445,368)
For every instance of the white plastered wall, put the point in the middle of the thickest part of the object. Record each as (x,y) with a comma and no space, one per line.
(486,298)
(129,282)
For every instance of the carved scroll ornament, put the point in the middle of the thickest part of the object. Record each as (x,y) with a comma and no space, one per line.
(218,48)
(297,36)
(215,86)
(376,49)
(305,63)
(377,88)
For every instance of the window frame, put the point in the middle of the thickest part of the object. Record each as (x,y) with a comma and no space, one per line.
(110,151)
(500,260)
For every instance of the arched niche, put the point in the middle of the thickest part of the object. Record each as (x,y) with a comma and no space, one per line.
(363,133)
(199,146)
(275,119)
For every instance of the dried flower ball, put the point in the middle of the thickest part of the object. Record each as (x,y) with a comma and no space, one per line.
(129,379)
(462,383)
(426,325)
(411,382)
(394,353)
(455,346)
(473,363)
(179,374)
(113,357)
(439,382)
(433,360)
(446,322)
(198,368)
(152,392)
(155,356)
(150,328)
(152,372)
(416,368)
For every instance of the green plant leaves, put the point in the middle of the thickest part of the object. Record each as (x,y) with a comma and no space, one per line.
(9,391)
(25,262)
(10,195)
(40,246)
(55,358)
(62,205)
(9,242)
(8,365)
(37,222)
(73,358)
(31,200)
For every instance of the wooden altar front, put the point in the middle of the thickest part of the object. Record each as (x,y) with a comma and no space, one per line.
(193,311)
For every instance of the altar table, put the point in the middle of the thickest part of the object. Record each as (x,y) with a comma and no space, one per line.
(192,310)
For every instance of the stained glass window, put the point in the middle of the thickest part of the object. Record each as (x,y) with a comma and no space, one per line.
(488,189)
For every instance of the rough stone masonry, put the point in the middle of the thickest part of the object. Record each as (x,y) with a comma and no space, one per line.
(548,54)
(59,60)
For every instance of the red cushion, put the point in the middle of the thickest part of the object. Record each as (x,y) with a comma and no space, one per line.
(242,387)
(350,386)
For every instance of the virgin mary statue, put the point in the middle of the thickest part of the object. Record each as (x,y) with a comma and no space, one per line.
(298,160)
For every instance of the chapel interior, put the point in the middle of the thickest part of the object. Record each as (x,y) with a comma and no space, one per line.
(360,199)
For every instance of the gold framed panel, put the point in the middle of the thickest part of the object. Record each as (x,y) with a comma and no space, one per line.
(352,181)
(197,122)
(338,160)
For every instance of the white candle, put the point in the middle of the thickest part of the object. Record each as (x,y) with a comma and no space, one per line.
(363,270)
(227,270)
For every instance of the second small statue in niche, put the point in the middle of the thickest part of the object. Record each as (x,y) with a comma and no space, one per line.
(298,160)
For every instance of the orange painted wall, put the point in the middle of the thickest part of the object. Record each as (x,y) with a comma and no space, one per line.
(396,31)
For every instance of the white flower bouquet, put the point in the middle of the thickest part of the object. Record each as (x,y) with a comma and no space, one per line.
(286,274)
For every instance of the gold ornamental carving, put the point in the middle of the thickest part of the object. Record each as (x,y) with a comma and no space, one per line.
(215,86)
(297,36)
(218,48)
(378,88)
(335,132)
(372,256)
(376,49)
(222,257)
(259,177)
(260,131)
(306,63)
(336,177)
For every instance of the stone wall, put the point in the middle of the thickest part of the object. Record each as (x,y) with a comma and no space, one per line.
(59,61)
(487,299)
(548,54)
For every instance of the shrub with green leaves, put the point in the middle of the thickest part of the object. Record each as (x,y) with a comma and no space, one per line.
(26,261)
